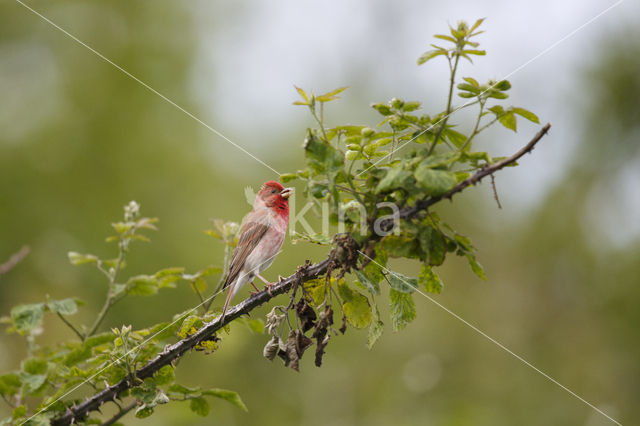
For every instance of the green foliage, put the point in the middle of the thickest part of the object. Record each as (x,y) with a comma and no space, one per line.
(409,156)
(355,172)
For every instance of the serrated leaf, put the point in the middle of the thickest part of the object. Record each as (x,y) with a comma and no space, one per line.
(144,411)
(9,384)
(371,285)
(429,280)
(475,52)
(403,309)
(200,406)
(355,306)
(502,85)
(229,396)
(402,283)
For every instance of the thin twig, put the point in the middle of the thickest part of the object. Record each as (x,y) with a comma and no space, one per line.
(75,330)
(120,414)
(15,258)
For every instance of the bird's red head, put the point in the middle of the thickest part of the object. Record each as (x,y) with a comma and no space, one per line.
(275,196)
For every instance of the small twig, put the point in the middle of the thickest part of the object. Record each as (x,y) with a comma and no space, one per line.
(75,330)
(15,258)
(120,414)
(495,191)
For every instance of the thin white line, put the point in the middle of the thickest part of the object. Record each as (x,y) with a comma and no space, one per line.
(545,51)
(148,87)
(491,339)
(135,348)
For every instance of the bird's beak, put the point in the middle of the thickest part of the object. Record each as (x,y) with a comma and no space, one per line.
(286,193)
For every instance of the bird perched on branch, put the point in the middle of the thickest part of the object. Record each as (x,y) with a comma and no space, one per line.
(260,239)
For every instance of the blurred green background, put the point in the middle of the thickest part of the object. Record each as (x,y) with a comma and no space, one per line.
(79,139)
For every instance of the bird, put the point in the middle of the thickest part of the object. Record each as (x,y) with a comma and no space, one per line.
(260,240)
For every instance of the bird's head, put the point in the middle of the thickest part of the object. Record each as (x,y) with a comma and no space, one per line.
(274,195)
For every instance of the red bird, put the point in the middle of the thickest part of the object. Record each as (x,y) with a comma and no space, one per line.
(260,239)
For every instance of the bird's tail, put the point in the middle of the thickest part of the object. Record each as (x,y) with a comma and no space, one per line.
(230,293)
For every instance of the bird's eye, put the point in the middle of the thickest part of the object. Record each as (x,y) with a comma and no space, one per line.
(273,191)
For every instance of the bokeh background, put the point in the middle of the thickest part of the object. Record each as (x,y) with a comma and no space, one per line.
(79,139)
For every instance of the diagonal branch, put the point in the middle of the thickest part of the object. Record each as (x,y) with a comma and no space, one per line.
(306,272)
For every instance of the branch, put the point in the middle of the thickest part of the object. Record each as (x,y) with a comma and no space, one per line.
(15,258)
(306,272)
(120,414)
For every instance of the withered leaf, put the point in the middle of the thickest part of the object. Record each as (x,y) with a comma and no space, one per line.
(306,314)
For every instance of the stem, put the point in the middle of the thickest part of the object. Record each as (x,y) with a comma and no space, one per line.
(475,129)
(75,330)
(108,303)
(320,121)
(120,414)
(448,110)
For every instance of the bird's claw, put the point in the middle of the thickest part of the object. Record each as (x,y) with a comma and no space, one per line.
(269,287)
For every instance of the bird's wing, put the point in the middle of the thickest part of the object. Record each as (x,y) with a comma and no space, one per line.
(252,233)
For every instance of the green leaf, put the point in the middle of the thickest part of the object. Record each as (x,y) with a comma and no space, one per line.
(395,178)
(455,137)
(355,306)
(227,395)
(508,120)
(143,285)
(375,331)
(302,94)
(502,85)
(476,267)
(436,182)
(382,108)
(81,259)
(402,283)
(399,245)
(526,114)
(322,157)
(430,54)
(410,106)
(164,376)
(173,271)
(27,317)
(370,284)
(403,310)
(144,411)
(200,406)
(433,244)
(9,384)
(471,81)
(475,52)
(288,177)
(316,289)
(64,306)
(440,160)
(429,280)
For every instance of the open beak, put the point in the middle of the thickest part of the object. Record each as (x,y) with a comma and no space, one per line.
(286,193)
